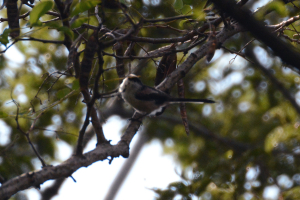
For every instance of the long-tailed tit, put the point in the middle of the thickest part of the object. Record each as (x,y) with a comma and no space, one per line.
(147,100)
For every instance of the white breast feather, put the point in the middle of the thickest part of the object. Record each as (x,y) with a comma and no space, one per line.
(123,85)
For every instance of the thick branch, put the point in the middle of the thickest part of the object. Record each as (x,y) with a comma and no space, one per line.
(52,190)
(194,57)
(34,179)
(86,66)
(274,81)
(285,51)
(64,16)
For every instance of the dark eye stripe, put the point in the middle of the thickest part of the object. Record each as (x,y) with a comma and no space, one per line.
(135,79)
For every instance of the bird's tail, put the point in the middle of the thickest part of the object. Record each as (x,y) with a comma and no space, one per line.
(183,100)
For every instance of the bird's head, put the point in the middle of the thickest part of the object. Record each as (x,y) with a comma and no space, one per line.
(131,82)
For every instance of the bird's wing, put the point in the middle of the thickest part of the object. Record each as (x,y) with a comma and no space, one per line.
(152,94)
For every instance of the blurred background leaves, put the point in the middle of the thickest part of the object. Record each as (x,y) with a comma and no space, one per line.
(237,149)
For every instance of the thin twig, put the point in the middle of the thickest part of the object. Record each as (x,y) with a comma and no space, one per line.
(159,54)
(41,40)
(8,47)
(26,134)
(167,19)
(20,17)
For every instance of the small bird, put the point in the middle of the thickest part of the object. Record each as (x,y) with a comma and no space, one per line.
(147,100)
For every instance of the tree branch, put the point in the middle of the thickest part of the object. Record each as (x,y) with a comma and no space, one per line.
(41,40)
(172,78)
(285,51)
(274,81)
(34,179)
(194,57)
(168,19)
(52,190)
(64,17)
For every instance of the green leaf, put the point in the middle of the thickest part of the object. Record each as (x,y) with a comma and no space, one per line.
(78,22)
(54,24)
(280,134)
(66,31)
(199,14)
(39,10)
(75,85)
(188,2)
(277,6)
(84,6)
(3,114)
(62,93)
(293,193)
(186,10)
(4,37)
(178,4)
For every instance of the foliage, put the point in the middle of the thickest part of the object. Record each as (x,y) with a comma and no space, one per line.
(247,141)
